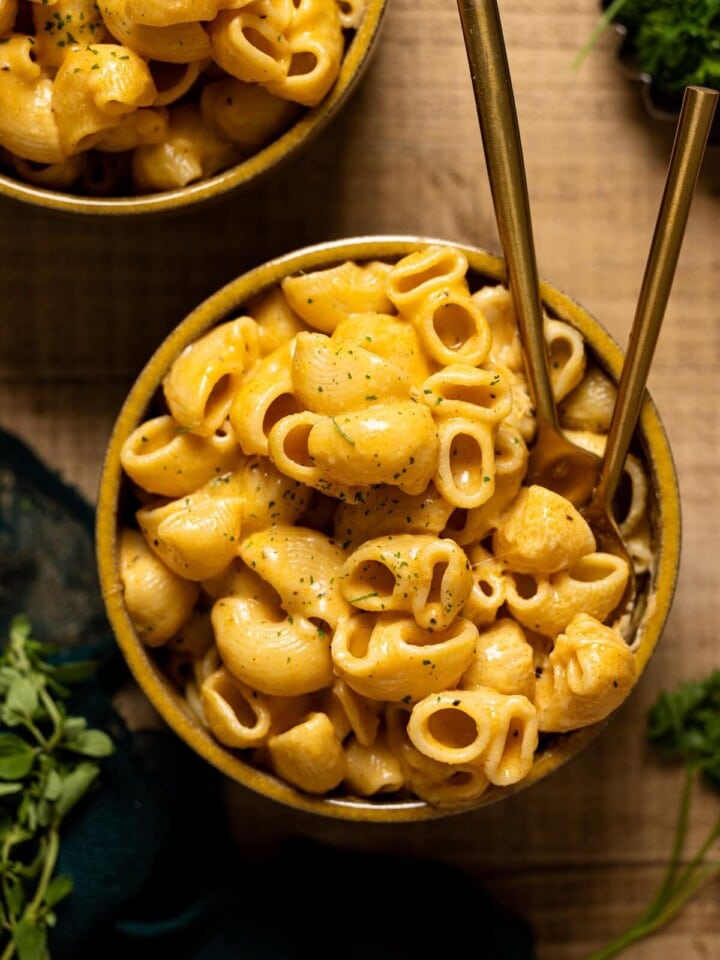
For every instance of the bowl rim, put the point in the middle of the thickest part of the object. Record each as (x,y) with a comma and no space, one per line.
(251,170)
(220,306)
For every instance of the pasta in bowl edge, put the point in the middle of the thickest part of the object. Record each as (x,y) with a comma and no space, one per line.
(318,555)
(133,106)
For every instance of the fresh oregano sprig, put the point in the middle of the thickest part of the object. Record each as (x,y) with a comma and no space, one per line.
(44,772)
(684,725)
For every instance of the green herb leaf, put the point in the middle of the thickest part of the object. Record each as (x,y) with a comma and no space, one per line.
(75,786)
(7,789)
(91,743)
(15,895)
(59,887)
(53,786)
(21,701)
(30,940)
(17,757)
(74,672)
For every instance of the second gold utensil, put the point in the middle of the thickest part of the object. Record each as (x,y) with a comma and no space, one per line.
(555,462)
(691,137)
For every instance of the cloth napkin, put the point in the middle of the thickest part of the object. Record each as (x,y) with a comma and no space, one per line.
(149,851)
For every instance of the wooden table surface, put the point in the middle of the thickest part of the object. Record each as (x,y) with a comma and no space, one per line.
(83,303)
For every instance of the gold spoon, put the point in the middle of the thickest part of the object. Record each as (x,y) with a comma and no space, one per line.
(554,461)
(691,136)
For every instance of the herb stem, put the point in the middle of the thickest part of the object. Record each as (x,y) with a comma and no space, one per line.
(37,734)
(51,854)
(605,20)
(680,833)
(55,719)
(673,893)
(663,917)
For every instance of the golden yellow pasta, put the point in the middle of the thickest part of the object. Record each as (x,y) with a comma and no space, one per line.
(182,89)
(356,585)
(158,601)
(309,755)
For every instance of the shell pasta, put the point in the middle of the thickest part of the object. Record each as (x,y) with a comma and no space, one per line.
(123,97)
(335,554)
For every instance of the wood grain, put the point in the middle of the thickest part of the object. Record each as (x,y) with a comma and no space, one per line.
(84,302)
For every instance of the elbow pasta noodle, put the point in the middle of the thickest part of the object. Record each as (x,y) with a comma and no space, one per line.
(422,575)
(191,150)
(331,378)
(459,390)
(94,89)
(309,755)
(158,600)
(336,551)
(498,732)
(371,768)
(391,658)
(224,79)
(324,298)
(163,459)
(265,397)
(503,661)
(452,328)
(497,307)
(315,47)
(387,337)
(200,386)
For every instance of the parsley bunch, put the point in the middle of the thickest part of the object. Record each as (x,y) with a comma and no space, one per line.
(684,725)
(43,774)
(676,42)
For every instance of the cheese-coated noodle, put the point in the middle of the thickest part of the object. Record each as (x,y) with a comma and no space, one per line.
(200,386)
(588,673)
(389,657)
(285,657)
(422,575)
(503,661)
(542,532)
(309,755)
(496,731)
(158,601)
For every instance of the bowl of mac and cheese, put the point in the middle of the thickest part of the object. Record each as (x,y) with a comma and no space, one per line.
(135,106)
(321,557)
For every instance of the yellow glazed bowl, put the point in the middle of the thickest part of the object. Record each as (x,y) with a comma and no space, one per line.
(654,606)
(249,171)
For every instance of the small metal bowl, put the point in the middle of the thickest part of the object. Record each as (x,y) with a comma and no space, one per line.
(654,602)
(247,172)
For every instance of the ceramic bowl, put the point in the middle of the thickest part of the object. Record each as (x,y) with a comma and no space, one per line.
(361,44)
(653,605)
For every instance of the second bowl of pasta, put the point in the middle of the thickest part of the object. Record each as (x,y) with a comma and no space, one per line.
(319,553)
(137,106)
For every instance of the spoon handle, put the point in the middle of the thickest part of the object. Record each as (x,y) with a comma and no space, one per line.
(495,102)
(686,158)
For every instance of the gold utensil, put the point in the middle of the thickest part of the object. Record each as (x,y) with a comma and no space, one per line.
(554,462)
(691,136)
